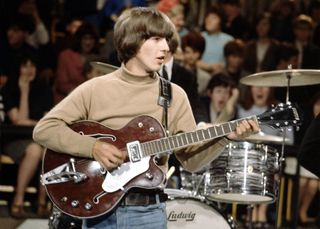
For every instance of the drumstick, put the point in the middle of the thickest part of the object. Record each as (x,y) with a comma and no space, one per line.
(170,172)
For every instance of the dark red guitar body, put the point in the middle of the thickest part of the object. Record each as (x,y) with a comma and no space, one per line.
(65,195)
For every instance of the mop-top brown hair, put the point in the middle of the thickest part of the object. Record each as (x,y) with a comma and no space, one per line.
(138,24)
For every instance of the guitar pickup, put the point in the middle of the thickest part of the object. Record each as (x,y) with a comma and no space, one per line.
(134,151)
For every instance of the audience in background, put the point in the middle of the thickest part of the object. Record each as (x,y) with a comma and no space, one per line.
(15,45)
(70,61)
(40,36)
(221,100)
(26,99)
(193,45)
(234,56)
(175,12)
(234,23)
(213,59)
(260,53)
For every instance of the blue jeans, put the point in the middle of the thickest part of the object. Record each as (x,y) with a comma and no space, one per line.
(131,217)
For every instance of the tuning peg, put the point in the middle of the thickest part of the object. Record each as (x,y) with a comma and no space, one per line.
(273,106)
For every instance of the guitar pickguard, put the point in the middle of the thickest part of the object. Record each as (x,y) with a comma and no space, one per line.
(117,179)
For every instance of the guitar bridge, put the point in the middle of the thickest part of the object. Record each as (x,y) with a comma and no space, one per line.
(63,173)
(134,151)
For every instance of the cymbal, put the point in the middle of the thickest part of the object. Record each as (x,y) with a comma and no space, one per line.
(266,138)
(278,78)
(103,67)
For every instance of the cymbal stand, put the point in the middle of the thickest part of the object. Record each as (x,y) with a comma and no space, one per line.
(250,216)
(282,159)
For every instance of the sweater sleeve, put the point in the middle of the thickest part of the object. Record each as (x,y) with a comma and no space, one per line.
(53,131)
(195,157)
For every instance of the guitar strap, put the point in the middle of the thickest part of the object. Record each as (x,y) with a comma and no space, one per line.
(165,97)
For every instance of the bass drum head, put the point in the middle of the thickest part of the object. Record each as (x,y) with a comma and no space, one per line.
(189,213)
(241,198)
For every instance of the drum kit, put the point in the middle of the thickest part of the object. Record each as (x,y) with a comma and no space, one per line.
(246,172)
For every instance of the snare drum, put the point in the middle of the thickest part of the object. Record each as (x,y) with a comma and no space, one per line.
(184,211)
(243,173)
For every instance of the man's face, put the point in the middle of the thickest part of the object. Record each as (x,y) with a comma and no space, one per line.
(150,56)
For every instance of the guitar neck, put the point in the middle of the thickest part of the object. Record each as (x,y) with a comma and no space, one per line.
(182,140)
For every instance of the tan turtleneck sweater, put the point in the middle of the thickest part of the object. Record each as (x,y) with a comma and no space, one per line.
(113,100)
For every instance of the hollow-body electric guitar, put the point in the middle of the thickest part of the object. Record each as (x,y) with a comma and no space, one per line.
(81,188)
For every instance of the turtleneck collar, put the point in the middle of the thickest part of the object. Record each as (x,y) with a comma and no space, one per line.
(125,75)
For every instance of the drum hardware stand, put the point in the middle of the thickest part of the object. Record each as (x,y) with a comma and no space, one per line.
(282,159)
(250,215)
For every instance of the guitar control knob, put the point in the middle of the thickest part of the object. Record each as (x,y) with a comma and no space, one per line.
(149,175)
(64,199)
(75,203)
(88,206)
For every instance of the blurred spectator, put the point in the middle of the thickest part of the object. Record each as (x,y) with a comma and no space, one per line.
(309,54)
(281,20)
(234,56)
(70,61)
(15,46)
(221,100)
(40,35)
(309,58)
(191,14)
(234,23)
(71,27)
(213,59)
(26,99)
(193,45)
(287,57)
(261,52)
(113,8)
(175,12)
(179,75)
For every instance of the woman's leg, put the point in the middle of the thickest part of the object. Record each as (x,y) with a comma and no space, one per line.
(310,191)
(27,169)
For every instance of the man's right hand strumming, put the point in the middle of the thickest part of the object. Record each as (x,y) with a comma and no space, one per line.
(109,156)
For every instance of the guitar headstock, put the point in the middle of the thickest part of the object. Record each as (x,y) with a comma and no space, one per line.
(282,115)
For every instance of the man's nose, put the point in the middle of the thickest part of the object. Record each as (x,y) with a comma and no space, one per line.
(164,45)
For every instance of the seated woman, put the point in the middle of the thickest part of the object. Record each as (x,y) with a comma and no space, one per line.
(26,99)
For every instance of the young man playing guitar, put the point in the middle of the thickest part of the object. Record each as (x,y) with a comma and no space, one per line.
(141,38)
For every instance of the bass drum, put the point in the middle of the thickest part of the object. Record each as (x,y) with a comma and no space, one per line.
(184,211)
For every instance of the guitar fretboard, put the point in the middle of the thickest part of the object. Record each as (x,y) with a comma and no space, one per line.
(182,140)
